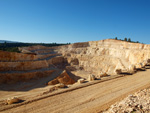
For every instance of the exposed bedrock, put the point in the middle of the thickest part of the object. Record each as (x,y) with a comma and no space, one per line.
(106,56)
(98,58)
(23,66)
(9,78)
(12,56)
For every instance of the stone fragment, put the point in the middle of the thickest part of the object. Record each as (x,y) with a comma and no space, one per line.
(81,80)
(13,100)
(138,66)
(132,69)
(118,71)
(60,85)
(103,74)
(91,77)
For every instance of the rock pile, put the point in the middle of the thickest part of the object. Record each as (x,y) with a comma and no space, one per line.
(63,78)
(139,102)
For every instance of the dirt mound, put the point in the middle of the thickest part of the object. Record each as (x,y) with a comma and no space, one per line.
(62,78)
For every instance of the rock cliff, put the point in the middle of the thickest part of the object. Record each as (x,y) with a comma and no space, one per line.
(105,56)
(110,57)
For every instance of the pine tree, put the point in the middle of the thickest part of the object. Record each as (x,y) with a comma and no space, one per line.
(125,39)
(129,40)
(116,38)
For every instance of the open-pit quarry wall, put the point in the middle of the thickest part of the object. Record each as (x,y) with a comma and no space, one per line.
(105,56)
(94,57)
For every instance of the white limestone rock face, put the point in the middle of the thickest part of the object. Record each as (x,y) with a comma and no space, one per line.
(107,56)
(95,57)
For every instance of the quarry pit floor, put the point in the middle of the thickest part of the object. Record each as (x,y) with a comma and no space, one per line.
(90,97)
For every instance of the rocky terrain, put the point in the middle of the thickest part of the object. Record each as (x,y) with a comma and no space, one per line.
(88,97)
(39,67)
(80,60)
(139,102)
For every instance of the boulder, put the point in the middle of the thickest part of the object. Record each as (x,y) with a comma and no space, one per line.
(144,63)
(12,100)
(81,80)
(60,85)
(118,71)
(132,69)
(138,66)
(91,77)
(62,78)
(103,74)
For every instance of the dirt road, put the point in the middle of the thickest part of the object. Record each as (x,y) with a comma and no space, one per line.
(91,99)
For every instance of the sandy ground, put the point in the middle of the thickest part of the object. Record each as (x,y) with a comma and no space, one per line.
(90,99)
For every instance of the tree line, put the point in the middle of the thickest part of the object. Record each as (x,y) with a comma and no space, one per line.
(127,40)
(13,47)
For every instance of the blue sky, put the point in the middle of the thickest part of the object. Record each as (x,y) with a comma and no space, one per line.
(72,21)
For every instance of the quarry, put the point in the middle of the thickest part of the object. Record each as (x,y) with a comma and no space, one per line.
(85,77)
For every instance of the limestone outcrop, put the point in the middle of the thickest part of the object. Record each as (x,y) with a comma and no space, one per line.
(12,56)
(23,66)
(99,58)
(9,78)
(107,56)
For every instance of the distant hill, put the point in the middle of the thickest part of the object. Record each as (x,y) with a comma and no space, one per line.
(7,41)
